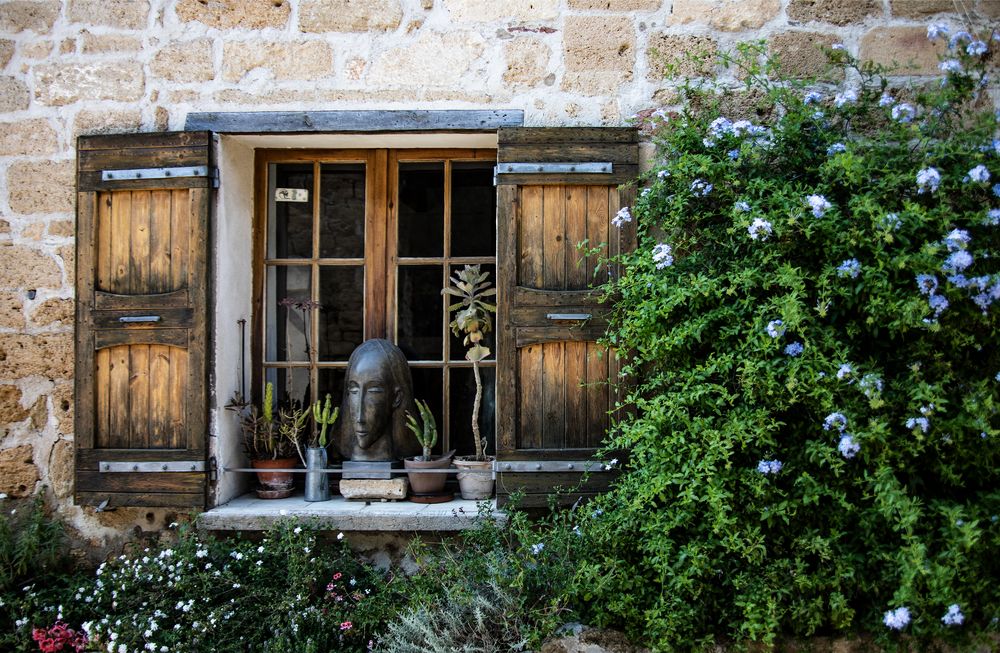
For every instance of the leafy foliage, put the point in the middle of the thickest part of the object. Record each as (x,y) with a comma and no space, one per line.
(813,366)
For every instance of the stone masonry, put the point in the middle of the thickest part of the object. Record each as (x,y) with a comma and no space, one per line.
(71,67)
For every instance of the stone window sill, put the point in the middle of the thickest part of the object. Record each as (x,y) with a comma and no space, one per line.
(248,513)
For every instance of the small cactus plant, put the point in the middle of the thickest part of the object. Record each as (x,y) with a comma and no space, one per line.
(323,417)
(427,435)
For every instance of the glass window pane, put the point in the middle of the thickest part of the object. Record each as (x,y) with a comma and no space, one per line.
(427,386)
(473,209)
(421,209)
(289,233)
(291,387)
(456,348)
(419,312)
(287,313)
(342,210)
(463,395)
(342,311)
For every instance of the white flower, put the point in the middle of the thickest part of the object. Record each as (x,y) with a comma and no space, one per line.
(201,553)
(340,536)
(662,256)
(850,96)
(623,216)
(897,619)
(298,529)
(282,512)
(742,206)
(838,46)
(951,66)
(759,228)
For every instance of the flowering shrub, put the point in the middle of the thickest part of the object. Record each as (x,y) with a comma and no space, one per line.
(59,637)
(814,368)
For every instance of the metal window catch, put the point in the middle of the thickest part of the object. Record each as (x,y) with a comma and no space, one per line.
(149,467)
(527,168)
(576,317)
(131,319)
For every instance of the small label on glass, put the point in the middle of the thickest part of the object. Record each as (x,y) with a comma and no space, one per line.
(291,195)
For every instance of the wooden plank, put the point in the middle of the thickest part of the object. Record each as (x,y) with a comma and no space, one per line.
(120,337)
(159,482)
(553,390)
(623,154)
(177,390)
(380,237)
(507,136)
(139,250)
(169,318)
(103,228)
(524,336)
(91,181)
(118,398)
(622,174)
(160,404)
(543,501)
(598,395)
(83,377)
(255,122)
(138,397)
(111,302)
(530,237)
(140,158)
(546,482)
(90,459)
(102,387)
(576,394)
(553,261)
(507,376)
(180,216)
(159,242)
(529,396)
(537,316)
(197,346)
(576,233)
(598,225)
(149,499)
(121,231)
(523,297)
(139,141)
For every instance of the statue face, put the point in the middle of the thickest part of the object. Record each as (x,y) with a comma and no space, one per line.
(372,397)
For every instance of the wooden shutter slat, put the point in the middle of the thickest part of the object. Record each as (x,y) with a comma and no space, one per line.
(141,386)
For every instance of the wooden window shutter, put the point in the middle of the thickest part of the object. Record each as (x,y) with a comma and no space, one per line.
(141,318)
(557,187)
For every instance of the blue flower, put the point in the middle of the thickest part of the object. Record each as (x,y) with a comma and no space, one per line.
(662,256)
(742,206)
(992,218)
(957,262)
(897,619)
(903,112)
(935,30)
(818,204)
(951,66)
(980,174)
(928,178)
(623,216)
(812,97)
(836,148)
(927,283)
(939,303)
(915,423)
(871,385)
(663,174)
(850,96)
(818,115)
(848,447)
(794,349)
(954,616)
(769,466)
(957,239)
(537,548)
(892,221)
(849,268)
(845,371)
(976,48)
(996,189)
(886,100)
(721,126)
(775,328)
(701,187)
(760,228)
(835,420)
(958,37)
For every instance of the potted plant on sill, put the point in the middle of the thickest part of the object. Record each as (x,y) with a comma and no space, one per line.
(271,442)
(473,319)
(317,482)
(427,485)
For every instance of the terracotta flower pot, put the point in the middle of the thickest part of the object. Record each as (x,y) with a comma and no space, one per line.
(477,483)
(427,483)
(275,485)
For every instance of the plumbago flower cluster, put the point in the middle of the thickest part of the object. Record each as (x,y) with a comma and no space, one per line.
(813,443)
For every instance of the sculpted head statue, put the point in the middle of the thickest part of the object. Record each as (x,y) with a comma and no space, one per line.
(378,390)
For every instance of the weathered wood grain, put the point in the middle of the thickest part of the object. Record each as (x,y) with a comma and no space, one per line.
(257,122)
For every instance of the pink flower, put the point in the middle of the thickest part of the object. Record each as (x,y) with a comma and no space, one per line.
(347,625)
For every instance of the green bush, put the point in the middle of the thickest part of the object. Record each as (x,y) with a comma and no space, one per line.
(813,364)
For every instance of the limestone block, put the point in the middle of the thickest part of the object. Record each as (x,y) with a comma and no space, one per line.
(392,489)
(617,5)
(68,46)
(801,54)
(598,52)
(62,407)
(434,59)
(488,11)
(906,46)
(114,121)
(27,268)
(61,84)
(41,186)
(11,410)
(18,473)
(39,413)
(110,43)
(23,15)
(919,8)
(349,15)
(54,311)
(990,8)
(672,50)
(14,94)
(527,61)
(62,228)
(725,15)
(6,51)
(837,12)
(49,355)
(305,60)
(188,61)
(124,14)
(27,137)
(61,469)
(235,14)
(11,314)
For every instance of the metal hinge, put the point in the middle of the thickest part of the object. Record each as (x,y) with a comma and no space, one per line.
(162,173)
(213,470)
(548,466)
(150,467)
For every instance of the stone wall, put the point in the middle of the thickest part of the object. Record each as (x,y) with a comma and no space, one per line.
(70,67)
